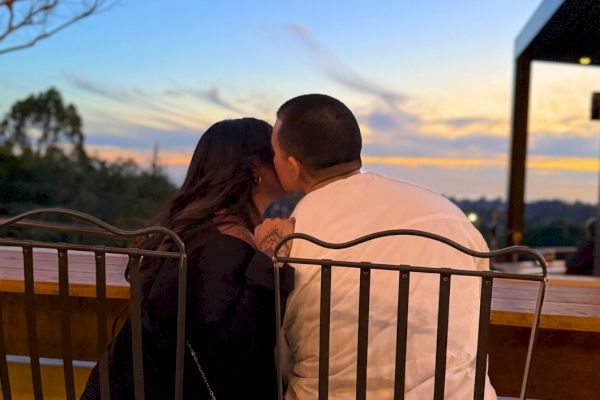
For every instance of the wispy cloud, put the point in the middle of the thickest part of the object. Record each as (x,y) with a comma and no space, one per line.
(126,135)
(338,71)
(567,145)
(212,95)
(168,109)
(462,122)
(90,86)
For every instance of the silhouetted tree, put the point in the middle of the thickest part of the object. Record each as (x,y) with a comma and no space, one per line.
(23,23)
(36,171)
(46,117)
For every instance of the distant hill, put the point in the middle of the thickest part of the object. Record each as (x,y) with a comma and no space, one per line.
(547,222)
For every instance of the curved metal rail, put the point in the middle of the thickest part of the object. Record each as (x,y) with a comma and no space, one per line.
(109,230)
(542,278)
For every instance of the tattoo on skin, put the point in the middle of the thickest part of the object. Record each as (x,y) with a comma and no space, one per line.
(268,243)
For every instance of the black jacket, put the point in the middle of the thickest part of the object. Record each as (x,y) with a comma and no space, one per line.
(230,323)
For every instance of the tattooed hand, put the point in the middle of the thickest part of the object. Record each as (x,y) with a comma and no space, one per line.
(270,232)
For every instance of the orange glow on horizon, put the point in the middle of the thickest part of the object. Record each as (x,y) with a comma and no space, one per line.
(545,163)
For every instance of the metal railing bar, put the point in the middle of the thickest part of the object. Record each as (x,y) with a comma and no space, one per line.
(65,324)
(324,327)
(4,377)
(32,339)
(363,334)
(90,248)
(412,232)
(100,224)
(485,306)
(410,268)
(60,227)
(278,333)
(101,324)
(401,334)
(442,337)
(181,310)
(533,338)
(136,327)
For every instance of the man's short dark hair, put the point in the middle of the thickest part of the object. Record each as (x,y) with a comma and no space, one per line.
(319,131)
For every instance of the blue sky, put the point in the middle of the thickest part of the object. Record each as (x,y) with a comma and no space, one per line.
(429,81)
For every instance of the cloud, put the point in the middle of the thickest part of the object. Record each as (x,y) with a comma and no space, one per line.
(169,110)
(339,72)
(133,137)
(397,121)
(95,88)
(462,122)
(569,145)
(416,144)
(212,95)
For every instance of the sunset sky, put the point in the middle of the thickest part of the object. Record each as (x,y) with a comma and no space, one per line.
(429,81)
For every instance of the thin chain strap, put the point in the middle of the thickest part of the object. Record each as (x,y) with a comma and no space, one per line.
(195,357)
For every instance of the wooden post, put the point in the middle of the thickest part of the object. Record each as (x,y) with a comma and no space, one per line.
(518,151)
(596,271)
(596,116)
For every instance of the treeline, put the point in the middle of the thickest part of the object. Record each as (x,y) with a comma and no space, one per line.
(44,163)
(547,222)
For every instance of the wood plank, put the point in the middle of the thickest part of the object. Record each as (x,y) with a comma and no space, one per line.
(562,367)
(48,307)
(82,273)
(567,306)
(571,308)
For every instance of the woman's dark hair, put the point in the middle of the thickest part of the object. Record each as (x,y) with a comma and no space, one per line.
(220,178)
(319,130)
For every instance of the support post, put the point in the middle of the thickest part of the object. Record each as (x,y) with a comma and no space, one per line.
(518,152)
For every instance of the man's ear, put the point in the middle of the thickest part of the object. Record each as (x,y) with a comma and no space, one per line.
(296,168)
(300,174)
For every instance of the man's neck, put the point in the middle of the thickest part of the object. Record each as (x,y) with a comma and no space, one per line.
(336,173)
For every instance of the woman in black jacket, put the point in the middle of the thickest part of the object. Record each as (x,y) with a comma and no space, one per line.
(230,300)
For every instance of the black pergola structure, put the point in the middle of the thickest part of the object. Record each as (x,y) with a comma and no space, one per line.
(564,31)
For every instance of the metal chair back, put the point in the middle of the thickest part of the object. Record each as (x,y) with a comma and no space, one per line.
(487,281)
(134,258)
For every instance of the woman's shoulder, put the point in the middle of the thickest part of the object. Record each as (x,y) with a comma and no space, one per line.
(211,242)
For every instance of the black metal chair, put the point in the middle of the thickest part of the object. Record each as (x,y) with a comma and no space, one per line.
(100,252)
(445,274)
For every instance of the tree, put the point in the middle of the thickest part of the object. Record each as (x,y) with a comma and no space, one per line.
(36,171)
(23,23)
(46,117)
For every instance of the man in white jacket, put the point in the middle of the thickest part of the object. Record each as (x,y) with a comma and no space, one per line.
(317,145)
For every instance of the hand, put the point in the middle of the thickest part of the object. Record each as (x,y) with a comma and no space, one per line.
(270,232)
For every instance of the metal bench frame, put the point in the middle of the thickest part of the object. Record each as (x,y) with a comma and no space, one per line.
(103,229)
(445,274)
